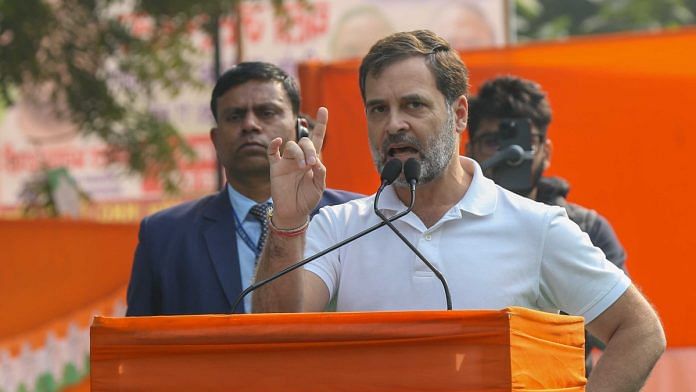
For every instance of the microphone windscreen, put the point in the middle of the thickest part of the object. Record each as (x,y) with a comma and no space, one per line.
(391,171)
(412,170)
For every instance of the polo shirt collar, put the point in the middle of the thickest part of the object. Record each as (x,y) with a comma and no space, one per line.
(480,199)
(482,196)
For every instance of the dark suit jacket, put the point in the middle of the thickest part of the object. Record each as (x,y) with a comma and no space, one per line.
(186,261)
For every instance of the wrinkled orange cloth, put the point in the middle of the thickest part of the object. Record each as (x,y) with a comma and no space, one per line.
(513,349)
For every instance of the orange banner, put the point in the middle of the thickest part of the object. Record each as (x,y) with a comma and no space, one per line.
(55,276)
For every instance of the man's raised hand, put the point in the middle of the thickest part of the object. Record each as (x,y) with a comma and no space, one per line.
(298,177)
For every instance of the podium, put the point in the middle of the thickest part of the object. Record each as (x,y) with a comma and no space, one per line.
(512,349)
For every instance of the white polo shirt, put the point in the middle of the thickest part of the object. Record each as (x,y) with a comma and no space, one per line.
(495,249)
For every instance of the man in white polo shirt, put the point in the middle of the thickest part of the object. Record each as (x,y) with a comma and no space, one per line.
(538,255)
(495,248)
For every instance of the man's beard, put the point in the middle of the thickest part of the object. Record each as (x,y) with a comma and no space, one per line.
(441,146)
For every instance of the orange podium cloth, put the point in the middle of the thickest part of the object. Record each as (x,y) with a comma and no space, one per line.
(513,349)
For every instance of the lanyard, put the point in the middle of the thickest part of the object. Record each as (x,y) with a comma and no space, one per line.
(245,236)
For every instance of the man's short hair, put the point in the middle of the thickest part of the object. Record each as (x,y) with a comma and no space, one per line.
(259,71)
(450,73)
(509,97)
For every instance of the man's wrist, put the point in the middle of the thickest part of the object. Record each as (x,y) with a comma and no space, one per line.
(287,228)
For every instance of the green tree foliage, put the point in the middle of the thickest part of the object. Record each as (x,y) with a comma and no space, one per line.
(94,70)
(550,19)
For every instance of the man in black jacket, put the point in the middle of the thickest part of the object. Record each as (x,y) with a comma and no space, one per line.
(511,97)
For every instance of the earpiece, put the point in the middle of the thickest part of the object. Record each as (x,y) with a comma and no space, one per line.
(301,129)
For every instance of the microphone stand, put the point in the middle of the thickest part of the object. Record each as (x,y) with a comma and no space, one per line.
(325,251)
(388,222)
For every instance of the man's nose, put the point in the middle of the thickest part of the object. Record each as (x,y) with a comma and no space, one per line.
(250,122)
(396,122)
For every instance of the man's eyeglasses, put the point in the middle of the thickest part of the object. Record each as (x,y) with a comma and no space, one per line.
(490,141)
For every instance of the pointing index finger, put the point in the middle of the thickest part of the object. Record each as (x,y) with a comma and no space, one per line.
(319,130)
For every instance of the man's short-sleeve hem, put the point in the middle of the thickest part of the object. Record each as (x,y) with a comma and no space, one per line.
(622,284)
(318,271)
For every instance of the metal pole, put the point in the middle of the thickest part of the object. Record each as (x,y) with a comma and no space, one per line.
(215,35)
(510,23)
(238,32)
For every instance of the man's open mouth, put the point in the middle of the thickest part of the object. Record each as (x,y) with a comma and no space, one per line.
(396,151)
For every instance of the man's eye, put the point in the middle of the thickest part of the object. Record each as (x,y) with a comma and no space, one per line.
(491,140)
(267,113)
(378,109)
(415,105)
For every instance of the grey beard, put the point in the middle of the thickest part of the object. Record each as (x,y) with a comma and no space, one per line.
(442,146)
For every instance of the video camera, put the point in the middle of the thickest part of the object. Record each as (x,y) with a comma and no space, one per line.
(512,164)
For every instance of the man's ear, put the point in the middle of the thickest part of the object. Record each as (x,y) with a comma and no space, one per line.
(213,136)
(548,150)
(461,113)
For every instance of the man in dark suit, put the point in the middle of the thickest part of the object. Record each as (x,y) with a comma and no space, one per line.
(195,258)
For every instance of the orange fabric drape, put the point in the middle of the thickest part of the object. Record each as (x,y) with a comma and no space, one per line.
(55,273)
(513,349)
(623,135)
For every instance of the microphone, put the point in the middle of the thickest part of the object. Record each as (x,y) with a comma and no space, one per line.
(411,174)
(513,155)
(390,172)
(412,170)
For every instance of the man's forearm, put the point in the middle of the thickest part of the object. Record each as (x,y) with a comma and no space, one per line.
(285,293)
(628,358)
